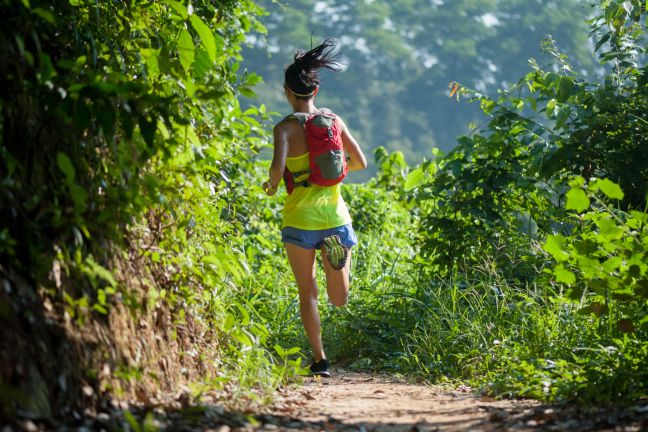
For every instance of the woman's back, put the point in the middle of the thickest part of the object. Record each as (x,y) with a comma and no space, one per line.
(295,135)
(313,207)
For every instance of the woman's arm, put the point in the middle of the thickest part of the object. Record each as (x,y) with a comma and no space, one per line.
(357,160)
(278,160)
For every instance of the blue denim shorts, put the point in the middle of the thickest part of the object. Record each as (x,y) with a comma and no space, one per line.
(313,239)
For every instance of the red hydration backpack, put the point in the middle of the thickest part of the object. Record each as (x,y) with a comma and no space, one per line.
(327,162)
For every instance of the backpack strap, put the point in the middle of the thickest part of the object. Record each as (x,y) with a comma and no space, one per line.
(290,179)
(301,117)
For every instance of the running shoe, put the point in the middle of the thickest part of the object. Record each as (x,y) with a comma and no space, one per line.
(336,252)
(320,368)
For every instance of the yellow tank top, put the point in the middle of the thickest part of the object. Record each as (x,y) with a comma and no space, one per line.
(313,207)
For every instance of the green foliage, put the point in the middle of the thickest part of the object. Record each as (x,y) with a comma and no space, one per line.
(508,182)
(115,101)
(147,424)
(123,141)
(605,260)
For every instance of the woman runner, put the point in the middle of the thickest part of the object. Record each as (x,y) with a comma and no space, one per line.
(314,217)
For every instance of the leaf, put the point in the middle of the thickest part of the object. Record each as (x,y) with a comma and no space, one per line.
(187,133)
(252,79)
(577,181)
(185,49)
(519,104)
(100,308)
(47,70)
(230,322)
(586,247)
(178,7)
(609,228)
(202,65)
(150,57)
(101,297)
(600,43)
(65,164)
(246,315)
(563,116)
(526,223)
(644,320)
(609,188)
(79,196)
(563,275)
(551,106)
(206,36)
(577,200)
(564,88)
(45,14)
(414,179)
(101,272)
(247,92)
(487,105)
(612,264)
(189,85)
(242,337)
(555,245)
(132,421)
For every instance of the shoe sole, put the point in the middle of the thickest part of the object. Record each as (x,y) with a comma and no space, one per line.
(336,252)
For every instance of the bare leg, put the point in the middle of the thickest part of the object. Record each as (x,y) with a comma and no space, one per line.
(337,281)
(302,262)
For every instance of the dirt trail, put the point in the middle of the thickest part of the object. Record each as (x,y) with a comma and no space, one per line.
(364,402)
(348,402)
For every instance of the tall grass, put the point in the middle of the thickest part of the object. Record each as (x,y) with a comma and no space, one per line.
(515,340)
(483,325)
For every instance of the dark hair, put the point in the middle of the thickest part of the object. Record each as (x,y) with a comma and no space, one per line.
(301,77)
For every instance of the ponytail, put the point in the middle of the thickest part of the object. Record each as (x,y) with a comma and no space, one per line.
(301,76)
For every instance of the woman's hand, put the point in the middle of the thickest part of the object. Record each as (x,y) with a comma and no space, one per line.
(268,188)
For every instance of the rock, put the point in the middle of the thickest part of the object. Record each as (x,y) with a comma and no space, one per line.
(28,426)
(103,417)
